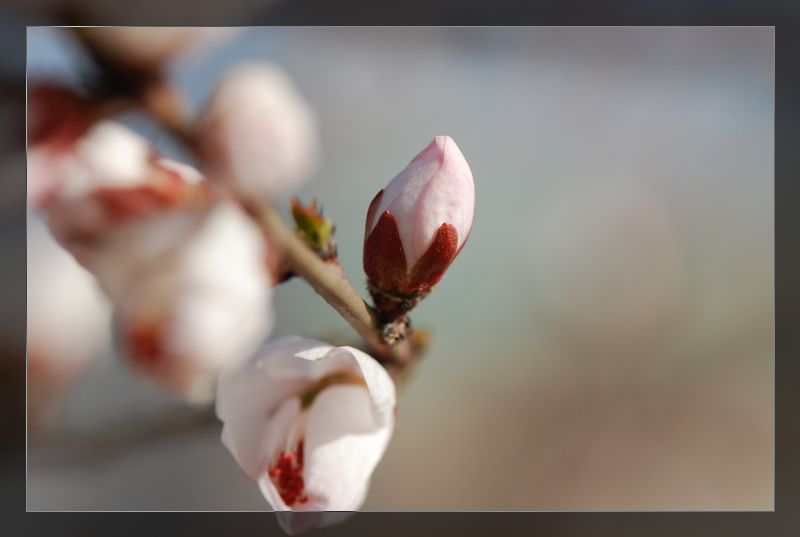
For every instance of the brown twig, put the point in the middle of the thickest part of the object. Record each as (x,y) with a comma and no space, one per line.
(330,282)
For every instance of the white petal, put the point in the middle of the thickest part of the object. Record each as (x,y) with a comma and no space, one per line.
(248,393)
(209,300)
(108,155)
(344,443)
(281,371)
(68,317)
(253,442)
(379,384)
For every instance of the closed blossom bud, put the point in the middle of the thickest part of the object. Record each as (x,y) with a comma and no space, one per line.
(416,227)
(258,134)
(309,422)
(205,306)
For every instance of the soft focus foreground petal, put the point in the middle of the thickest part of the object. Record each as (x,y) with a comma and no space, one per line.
(57,117)
(259,135)
(209,304)
(118,207)
(110,155)
(344,443)
(123,256)
(107,155)
(68,321)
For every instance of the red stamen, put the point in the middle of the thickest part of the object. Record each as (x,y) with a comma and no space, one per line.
(287,476)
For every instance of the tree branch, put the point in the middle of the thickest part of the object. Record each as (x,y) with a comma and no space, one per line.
(330,282)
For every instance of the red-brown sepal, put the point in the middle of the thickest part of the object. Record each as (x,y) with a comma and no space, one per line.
(384,258)
(430,268)
(394,289)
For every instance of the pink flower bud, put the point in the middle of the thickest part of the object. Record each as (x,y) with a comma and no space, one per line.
(259,135)
(309,422)
(205,306)
(417,225)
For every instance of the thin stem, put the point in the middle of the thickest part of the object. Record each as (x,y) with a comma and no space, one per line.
(329,281)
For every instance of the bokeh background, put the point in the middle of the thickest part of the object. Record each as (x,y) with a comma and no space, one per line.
(606,338)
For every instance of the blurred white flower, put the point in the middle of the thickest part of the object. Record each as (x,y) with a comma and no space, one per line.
(258,133)
(190,280)
(309,422)
(204,306)
(116,205)
(68,321)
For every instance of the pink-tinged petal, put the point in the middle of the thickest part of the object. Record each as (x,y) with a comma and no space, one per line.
(449,197)
(344,444)
(402,194)
(259,135)
(384,258)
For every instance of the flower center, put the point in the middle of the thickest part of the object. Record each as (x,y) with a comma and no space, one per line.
(286,473)
(287,476)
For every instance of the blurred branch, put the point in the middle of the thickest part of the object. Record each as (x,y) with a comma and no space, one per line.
(117,441)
